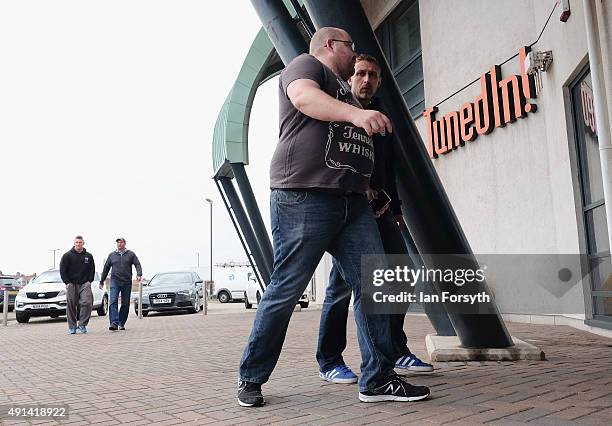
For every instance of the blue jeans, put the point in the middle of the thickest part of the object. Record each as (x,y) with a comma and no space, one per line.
(305,224)
(119,318)
(332,327)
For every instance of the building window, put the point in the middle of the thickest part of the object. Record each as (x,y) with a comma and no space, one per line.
(400,38)
(592,196)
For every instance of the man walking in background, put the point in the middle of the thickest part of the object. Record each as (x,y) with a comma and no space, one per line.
(77,270)
(120,261)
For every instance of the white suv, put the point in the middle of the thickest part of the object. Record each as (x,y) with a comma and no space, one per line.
(45,296)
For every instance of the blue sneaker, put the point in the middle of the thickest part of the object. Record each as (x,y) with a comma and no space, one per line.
(72,331)
(412,363)
(339,374)
(83,329)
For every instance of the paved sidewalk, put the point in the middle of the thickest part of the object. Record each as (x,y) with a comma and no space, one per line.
(176,369)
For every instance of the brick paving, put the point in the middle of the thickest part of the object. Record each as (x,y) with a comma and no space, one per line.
(181,369)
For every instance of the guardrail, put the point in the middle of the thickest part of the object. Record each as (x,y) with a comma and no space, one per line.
(140,300)
(206,298)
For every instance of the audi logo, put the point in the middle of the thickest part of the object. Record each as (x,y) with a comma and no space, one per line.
(162,296)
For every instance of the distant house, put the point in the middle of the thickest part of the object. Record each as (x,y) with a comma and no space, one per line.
(23,279)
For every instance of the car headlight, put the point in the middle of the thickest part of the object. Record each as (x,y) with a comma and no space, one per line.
(187,292)
(62,293)
(22,293)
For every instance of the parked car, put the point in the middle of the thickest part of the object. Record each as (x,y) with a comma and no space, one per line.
(252,295)
(12,285)
(231,282)
(45,296)
(171,291)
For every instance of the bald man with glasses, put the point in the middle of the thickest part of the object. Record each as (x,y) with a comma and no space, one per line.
(319,175)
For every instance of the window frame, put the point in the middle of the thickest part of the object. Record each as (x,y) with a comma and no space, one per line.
(383,33)
(584,208)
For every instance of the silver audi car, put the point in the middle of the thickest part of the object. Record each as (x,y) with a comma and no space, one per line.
(171,291)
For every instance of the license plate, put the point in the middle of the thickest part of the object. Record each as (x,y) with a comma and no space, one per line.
(162,300)
(40,306)
(13,293)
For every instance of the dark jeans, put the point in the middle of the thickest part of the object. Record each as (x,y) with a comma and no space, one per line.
(305,224)
(119,318)
(332,328)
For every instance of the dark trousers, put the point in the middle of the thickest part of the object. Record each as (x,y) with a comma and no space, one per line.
(332,327)
(79,303)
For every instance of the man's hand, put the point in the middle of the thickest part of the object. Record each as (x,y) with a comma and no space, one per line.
(380,212)
(101,285)
(138,278)
(371,193)
(371,121)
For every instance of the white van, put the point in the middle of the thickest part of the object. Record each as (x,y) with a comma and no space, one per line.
(231,282)
(253,293)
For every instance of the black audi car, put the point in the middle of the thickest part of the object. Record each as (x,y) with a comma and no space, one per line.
(172,291)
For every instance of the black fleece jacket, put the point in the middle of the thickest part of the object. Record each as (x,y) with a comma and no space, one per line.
(383,175)
(77,268)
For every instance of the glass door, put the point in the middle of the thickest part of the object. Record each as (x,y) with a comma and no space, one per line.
(592,196)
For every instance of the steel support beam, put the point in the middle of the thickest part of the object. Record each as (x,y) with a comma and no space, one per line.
(435,311)
(261,233)
(245,227)
(240,237)
(281,28)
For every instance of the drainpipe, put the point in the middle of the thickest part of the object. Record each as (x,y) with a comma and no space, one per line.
(601,114)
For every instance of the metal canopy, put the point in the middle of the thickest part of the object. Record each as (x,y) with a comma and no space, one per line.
(230,139)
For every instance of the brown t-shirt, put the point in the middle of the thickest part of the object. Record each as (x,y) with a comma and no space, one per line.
(319,154)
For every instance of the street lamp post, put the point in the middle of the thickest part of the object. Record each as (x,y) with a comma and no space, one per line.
(54,251)
(211,256)
(198,257)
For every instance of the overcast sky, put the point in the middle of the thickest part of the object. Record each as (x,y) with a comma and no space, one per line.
(107,110)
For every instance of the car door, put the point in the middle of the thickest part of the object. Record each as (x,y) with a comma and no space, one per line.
(95,290)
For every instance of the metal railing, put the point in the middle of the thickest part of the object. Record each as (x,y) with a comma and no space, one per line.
(5,307)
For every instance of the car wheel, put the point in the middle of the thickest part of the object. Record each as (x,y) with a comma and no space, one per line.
(22,317)
(103,309)
(304,305)
(247,305)
(258,297)
(223,296)
(144,313)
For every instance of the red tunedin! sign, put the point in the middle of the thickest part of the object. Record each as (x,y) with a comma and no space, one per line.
(501,101)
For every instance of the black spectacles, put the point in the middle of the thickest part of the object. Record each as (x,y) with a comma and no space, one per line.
(352,44)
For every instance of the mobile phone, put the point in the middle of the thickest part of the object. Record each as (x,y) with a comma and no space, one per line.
(379,203)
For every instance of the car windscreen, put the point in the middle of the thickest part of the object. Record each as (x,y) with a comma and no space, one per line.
(48,277)
(170,278)
(8,281)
